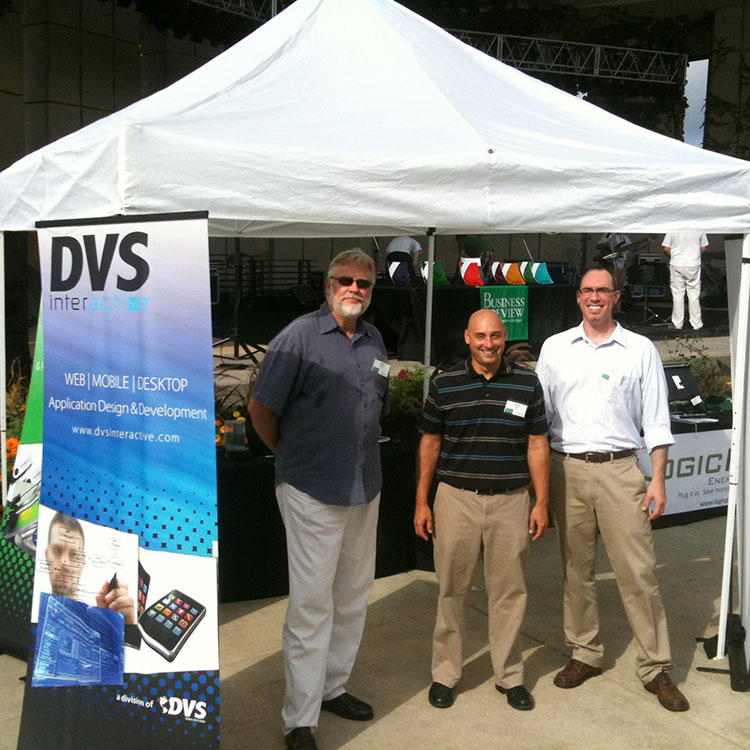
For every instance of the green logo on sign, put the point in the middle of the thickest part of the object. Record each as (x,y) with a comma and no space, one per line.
(511,304)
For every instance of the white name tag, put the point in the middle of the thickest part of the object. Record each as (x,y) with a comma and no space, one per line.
(513,407)
(381,368)
(613,377)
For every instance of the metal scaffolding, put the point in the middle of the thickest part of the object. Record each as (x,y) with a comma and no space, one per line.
(257,10)
(573,58)
(531,54)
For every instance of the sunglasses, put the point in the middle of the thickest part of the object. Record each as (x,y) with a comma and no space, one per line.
(349,280)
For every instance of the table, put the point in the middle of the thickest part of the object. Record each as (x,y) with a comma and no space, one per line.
(252,544)
(399,314)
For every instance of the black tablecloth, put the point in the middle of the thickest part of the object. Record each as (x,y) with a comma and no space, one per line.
(399,314)
(252,545)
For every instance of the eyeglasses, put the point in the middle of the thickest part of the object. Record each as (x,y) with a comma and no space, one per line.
(602,290)
(349,280)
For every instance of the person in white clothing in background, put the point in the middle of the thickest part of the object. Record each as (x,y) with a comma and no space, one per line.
(684,250)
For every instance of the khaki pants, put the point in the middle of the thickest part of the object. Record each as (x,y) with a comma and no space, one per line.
(607,497)
(464,523)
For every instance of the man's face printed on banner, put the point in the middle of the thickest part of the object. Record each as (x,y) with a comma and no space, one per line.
(65,557)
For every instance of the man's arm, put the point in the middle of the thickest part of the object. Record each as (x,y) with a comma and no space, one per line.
(427,459)
(656,492)
(537,455)
(265,422)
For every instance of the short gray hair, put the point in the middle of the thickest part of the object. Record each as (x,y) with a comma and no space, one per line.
(354,257)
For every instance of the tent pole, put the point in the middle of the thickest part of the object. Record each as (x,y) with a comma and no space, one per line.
(4,392)
(428,310)
(736,516)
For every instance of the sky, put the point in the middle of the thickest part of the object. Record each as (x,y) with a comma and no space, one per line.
(695,91)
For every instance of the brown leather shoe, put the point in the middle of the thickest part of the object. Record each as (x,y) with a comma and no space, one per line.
(574,674)
(667,692)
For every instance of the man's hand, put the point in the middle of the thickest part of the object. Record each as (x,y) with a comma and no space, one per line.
(427,459)
(423,522)
(539,521)
(118,600)
(656,493)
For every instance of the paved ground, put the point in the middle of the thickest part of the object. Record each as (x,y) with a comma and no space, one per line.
(608,712)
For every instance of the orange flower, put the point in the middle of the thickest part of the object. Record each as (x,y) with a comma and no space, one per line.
(23,408)
(11,446)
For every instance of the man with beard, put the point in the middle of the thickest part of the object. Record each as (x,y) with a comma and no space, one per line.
(483,434)
(317,403)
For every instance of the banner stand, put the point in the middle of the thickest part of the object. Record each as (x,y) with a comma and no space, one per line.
(124,645)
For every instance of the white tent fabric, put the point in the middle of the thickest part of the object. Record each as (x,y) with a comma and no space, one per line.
(356,117)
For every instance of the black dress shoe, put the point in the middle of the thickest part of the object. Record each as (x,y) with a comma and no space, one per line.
(301,738)
(518,697)
(348,707)
(441,696)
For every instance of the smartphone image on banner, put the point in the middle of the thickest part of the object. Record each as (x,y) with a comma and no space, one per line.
(144,579)
(167,624)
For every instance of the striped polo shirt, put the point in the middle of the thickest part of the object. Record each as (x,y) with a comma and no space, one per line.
(485,425)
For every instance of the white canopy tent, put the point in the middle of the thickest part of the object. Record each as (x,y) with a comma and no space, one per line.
(352,117)
(348,117)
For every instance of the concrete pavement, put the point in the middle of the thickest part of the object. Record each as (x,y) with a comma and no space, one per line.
(393,669)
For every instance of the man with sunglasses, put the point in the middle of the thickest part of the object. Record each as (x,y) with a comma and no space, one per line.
(604,387)
(317,402)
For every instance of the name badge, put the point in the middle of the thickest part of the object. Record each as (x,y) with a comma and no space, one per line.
(381,368)
(613,377)
(513,407)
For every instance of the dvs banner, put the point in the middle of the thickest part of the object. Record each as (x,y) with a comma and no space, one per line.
(124,647)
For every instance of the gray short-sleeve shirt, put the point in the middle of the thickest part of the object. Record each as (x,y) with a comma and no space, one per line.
(329,401)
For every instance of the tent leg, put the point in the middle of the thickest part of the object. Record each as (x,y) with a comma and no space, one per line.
(428,311)
(4,391)
(731,631)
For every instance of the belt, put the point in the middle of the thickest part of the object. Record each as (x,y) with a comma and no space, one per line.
(595,457)
(489,492)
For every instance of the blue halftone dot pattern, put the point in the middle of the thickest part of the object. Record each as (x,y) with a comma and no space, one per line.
(167,519)
(145,708)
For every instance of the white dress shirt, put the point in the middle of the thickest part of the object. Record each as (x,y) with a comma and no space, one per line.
(685,248)
(600,397)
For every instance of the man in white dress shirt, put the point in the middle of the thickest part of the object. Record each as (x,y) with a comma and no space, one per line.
(685,250)
(603,385)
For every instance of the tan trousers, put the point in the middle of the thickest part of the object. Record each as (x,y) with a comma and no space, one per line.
(586,498)
(464,523)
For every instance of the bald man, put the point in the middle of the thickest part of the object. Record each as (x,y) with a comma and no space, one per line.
(483,435)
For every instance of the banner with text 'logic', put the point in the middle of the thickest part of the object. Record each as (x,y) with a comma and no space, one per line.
(124,609)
